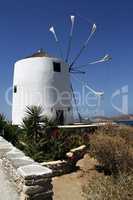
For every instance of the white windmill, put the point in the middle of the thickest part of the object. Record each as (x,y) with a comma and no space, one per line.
(44,80)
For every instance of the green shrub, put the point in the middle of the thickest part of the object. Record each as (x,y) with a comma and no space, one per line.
(112,152)
(11,133)
(42,140)
(108,188)
(2,123)
(8,131)
(53,145)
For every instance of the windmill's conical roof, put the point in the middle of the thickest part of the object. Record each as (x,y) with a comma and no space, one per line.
(39,53)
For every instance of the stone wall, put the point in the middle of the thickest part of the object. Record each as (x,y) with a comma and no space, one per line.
(33,181)
(68,165)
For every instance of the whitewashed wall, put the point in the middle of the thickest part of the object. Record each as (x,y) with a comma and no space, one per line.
(38,84)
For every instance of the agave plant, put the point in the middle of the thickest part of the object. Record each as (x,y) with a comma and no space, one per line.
(33,122)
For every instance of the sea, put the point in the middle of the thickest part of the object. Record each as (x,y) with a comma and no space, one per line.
(125,122)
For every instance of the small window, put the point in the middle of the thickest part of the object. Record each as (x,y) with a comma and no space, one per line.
(57,67)
(69,109)
(15,89)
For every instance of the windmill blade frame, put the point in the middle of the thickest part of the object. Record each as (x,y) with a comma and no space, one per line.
(70,37)
(84,46)
(106,58)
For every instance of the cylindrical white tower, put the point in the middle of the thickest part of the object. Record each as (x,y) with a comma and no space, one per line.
(41,80)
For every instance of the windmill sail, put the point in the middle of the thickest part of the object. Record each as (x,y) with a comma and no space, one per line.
(52,30)
(104,59)
(84,46)
(70,37)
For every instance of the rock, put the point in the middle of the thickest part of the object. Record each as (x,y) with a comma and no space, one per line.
(34,171)
(4,148)
(19,162)
(43,196)
(14,155)
(31,190)
(81,148)
(40,181)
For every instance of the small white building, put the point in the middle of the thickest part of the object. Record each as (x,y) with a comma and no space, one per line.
(42,80)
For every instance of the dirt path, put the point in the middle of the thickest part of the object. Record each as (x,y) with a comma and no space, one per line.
(69,187)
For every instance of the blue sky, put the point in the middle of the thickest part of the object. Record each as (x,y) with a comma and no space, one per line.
(24,29)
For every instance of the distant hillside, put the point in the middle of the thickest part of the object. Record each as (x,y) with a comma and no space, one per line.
(122,117)
(114,118)
(100,118)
